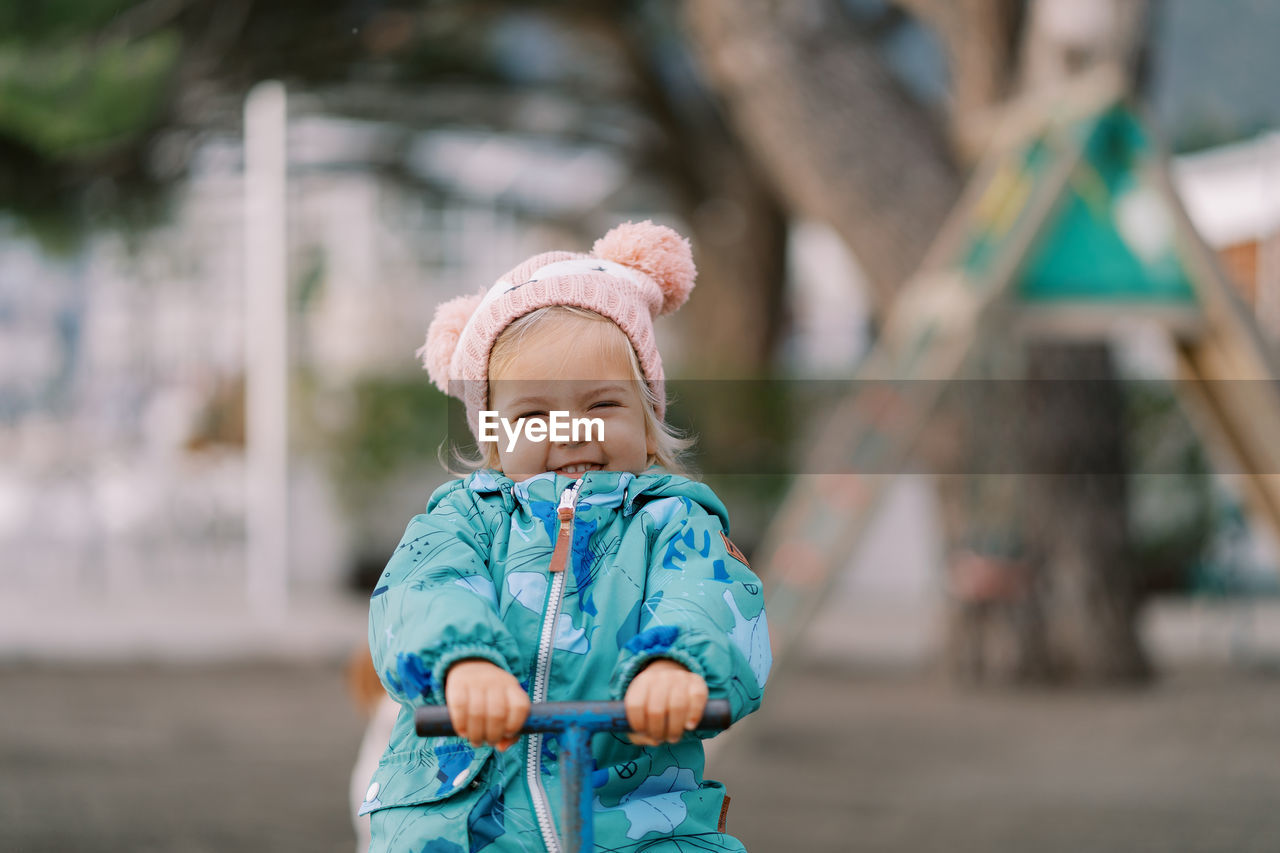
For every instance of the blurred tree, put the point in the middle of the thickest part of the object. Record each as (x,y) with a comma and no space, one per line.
(604,74)
(78,82)
(827,121)
(110,92)
(744,112)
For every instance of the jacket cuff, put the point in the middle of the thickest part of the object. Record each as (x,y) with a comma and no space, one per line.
(453,654)
(631,666)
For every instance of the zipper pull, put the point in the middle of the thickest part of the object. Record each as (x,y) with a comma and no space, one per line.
(564,539)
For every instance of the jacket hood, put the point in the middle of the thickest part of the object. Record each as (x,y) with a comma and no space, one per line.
(603,489)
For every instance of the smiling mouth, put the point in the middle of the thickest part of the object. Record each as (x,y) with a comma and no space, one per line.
(578,468)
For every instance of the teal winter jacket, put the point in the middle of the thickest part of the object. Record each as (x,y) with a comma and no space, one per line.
(650,573)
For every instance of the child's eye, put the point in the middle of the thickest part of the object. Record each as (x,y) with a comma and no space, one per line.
(531,415)
(603,403)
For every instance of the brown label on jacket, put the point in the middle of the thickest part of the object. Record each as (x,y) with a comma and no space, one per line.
(733,550)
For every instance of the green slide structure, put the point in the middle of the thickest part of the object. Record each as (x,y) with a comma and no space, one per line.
(1070,227)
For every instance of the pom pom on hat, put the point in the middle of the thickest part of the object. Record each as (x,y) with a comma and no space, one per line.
(658,252)
(442,336)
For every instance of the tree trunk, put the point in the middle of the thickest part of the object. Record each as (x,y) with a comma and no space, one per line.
(1076,419)
(739,228)
(1076,499)
(734,327)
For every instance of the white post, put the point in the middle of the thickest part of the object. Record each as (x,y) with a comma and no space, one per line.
(266,351)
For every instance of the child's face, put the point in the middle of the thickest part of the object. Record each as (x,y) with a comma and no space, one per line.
(585,373)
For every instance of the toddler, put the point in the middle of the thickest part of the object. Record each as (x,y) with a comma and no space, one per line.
(564,567)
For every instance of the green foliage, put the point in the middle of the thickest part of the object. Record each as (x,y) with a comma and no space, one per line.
(51,20)
(69,101)
(394,423)
(79,93)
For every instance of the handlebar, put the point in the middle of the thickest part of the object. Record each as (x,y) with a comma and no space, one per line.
(433,720)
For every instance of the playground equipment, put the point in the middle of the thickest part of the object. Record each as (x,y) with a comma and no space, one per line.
(1070,227)
(575,722)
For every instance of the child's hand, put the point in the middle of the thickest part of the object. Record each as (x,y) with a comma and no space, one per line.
(663,702)
(486,703)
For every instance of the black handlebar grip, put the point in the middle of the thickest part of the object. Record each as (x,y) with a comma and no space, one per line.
(433,720)
(717,716)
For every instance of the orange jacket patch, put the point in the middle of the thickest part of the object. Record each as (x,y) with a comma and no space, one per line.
(733,550)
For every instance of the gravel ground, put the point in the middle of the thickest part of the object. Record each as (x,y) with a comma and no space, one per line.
(175,759)
(841,762)
(257,757)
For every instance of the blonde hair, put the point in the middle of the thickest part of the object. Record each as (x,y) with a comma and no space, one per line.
(670,445)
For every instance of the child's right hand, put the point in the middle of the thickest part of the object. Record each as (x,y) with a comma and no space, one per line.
(485,702)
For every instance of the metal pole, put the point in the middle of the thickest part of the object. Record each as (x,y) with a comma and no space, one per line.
(266,351)
(577,834)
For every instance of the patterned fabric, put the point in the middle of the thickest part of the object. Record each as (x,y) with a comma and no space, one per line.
(650,576)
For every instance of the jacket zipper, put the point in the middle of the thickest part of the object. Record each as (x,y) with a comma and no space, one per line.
(542,672)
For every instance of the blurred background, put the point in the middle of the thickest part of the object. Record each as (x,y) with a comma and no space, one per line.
(982,359)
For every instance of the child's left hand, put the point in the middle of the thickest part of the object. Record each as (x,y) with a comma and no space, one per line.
(664,701)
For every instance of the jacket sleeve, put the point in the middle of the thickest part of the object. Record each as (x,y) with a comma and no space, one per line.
(703,608)
(436,603)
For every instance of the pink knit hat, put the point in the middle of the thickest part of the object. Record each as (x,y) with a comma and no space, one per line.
(634,273)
